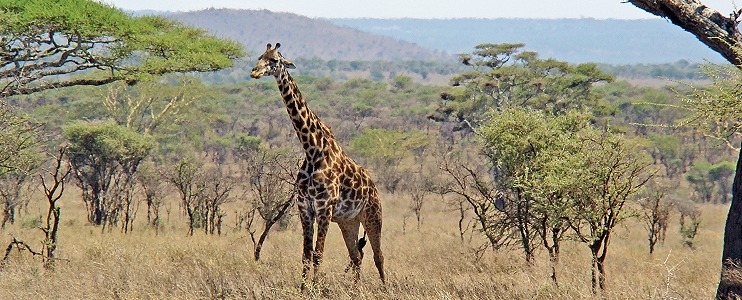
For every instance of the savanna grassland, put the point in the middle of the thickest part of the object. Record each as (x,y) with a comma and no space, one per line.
(483,179)
(430,262)
(386,126)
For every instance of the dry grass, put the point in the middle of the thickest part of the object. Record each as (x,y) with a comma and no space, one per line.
(432,263)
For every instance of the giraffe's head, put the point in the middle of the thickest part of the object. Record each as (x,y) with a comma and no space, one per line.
(271,62)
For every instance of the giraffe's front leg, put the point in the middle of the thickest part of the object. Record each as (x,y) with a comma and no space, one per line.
(324,215)
(306,213)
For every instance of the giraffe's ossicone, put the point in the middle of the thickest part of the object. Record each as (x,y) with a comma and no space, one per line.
(330,185)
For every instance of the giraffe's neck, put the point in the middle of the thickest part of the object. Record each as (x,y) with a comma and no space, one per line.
(314,136)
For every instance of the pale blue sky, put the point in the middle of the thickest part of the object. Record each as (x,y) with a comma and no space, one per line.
(599,9)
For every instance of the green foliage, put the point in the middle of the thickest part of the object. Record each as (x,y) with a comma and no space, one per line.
(559,172)
(722,174)
(19,138)
(680,70)
(388,147)
(504,75)
(105,157)
(401,83)
(535,156)
(107,142)
(716,110)
(386,151)
(248,144)
(47,38)
(701,182)
(711,182)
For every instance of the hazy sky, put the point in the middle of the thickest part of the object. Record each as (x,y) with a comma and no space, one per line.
(599,9)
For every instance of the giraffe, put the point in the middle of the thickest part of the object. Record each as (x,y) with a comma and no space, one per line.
(330,185)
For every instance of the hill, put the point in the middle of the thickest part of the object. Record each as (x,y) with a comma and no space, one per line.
(615,42)
(574,40)
(304,37)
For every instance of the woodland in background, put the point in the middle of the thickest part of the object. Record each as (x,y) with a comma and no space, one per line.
(528,153)
(230,145)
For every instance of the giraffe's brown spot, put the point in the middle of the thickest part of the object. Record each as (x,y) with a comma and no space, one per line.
(329,183)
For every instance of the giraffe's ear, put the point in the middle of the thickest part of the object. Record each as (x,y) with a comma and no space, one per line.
(288,64)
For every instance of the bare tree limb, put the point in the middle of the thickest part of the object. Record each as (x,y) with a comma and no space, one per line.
(721,33)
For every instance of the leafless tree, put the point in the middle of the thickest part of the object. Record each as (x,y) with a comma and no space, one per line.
(185,176)
(269,187)
(485,201)
(152,182)
(53,184)
(419,188)
(655,209)
(216,186)
(689,221)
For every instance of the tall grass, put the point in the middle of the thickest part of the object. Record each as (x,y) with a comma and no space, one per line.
(432,262)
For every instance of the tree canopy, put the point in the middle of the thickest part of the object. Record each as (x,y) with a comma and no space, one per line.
(506,75)
(48,44)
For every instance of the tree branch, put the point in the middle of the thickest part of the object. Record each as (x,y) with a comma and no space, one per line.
(712,28)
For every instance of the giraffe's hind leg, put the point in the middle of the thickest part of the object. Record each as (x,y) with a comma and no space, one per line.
(372,225)
(350,236)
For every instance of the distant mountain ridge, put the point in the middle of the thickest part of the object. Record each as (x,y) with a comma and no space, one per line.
(651,41)
(614,42)
(304,37)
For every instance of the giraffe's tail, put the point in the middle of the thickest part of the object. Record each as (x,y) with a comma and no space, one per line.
(361,244)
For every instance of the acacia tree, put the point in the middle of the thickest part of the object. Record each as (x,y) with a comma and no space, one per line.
(717,113)
(505,75)
(104,159)
(721,173)
(524,110)
(612,171)
(15,187)
(700,180)
(521,145)
(216,186)
(41,40)
(19,137)
(152,182)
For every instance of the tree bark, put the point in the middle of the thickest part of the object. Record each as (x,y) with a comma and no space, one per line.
(268,224)
(730,285)
(722,35)
(715,30)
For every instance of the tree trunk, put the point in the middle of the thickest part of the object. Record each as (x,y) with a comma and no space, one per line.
(6,213)
(600,264)
(730,285)
(594,270)
(268,224)
(553,261)
(190,221)
(149,210)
